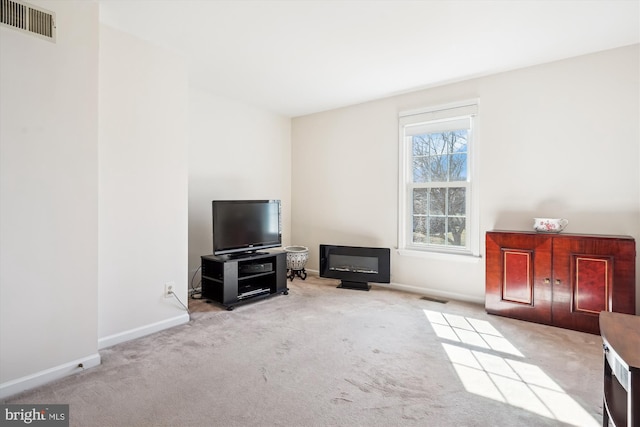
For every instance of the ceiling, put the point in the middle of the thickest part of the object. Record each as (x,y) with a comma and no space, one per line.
(300,57)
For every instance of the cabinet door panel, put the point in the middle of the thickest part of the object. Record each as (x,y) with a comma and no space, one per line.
(518,271)
(591,275)
(592,284)
(517,285)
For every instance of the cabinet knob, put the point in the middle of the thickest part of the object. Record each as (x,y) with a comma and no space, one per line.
(547,280)
(558,281)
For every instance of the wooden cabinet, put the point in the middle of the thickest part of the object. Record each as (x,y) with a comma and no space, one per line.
(563,280)
(621,346)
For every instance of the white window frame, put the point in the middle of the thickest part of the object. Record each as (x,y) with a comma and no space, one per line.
(467,109)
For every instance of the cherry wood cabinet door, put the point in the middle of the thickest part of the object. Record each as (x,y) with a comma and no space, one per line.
(519,275)
(591,274)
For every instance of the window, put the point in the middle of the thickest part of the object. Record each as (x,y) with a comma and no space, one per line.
(437,204)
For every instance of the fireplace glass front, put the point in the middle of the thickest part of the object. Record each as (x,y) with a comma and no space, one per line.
(355,264)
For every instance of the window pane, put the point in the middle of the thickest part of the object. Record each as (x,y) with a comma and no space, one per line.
(420,145)
(457,231)
(458,167)
(436,230)
(457,201)
(437,144)
(458,141)
(457,220)
(420,201)
(420,169)
(420,209)
(419,229)
(439,168)
(437,200)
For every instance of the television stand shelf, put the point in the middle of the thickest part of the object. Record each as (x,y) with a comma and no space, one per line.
(234,280)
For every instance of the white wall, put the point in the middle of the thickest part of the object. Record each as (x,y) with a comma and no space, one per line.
(236,151)
(559,139)
(49,198)
(94,200)
(143,187)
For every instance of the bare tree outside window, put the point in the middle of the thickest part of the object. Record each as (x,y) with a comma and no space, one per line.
(439,170)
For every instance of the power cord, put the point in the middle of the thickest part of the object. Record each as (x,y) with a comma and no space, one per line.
(176,297)
(196,291)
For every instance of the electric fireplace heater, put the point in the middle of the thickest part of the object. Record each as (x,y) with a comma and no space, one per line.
(355,266)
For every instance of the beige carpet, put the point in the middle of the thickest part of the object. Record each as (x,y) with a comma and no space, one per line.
(322,356)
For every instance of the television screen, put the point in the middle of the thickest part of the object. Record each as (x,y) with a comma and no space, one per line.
(245,225)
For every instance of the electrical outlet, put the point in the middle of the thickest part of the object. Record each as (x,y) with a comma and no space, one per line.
(168,289)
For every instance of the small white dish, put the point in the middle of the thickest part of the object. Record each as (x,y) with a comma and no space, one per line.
(549,225)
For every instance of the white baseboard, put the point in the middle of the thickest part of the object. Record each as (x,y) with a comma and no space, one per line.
(38,379)
(13,387)
(422,291)
(433,292)
(132,334)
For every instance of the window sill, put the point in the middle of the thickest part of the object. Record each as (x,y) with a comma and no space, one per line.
(444,256)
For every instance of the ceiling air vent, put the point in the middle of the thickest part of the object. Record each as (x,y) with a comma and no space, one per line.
(30,19)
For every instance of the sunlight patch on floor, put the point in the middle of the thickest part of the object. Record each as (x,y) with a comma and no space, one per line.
(479,333)
(502,378)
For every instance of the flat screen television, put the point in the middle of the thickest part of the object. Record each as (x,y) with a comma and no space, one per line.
(245,226)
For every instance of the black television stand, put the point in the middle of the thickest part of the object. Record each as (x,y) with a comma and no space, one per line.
(234,280)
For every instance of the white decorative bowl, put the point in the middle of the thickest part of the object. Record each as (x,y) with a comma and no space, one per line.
(550,225)
(297,257)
